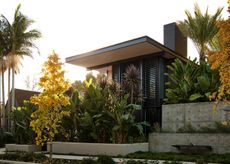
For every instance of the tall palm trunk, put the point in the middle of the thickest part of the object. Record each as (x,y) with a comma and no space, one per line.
(0,105)
(13,92)
(9,98)
(202,54)
(3,98)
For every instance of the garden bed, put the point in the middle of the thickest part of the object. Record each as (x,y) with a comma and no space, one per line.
(97,148)
(25,148)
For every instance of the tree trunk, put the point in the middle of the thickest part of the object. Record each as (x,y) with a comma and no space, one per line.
(13,93)
(0,106)
(9,98)
(132,92)
(202,55)
(3,100)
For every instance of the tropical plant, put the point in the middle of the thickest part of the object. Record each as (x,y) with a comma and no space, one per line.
(188,82)
(132,83)
(102,112)
(46,119)
(221,59)
(21,116)
(125,126)
(95,113)
(182,78)
(201,29)
(70,124)
(6,138)
(208,82)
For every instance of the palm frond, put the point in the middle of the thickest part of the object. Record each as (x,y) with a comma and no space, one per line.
(201,28)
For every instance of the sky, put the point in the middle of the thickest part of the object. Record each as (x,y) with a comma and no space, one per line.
(73,27)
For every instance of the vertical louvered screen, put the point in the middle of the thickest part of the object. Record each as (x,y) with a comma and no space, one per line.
(151,104)
(150,81)
(116,72)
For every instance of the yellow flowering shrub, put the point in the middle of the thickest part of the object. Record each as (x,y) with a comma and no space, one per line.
(221,59)
(46,120)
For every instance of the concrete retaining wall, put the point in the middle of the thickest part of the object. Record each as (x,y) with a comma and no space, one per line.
(26,148)
(97,148)
(162,142)
(175,116)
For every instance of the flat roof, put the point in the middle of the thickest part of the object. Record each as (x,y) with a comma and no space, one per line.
(122,51)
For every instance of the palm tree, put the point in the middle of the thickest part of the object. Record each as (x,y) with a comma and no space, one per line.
(3,65)
(21,42)
(18,41)
(201,29)
(229,7)
(4,50)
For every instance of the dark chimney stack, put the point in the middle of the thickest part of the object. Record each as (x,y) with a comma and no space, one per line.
(174,39)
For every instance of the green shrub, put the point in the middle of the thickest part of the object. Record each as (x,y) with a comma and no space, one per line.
(105,160)
(172,162)
(21,117)
(88,161)
(134,162)
(24,156)
(102,112)
(189,82)
(6,138)
(208,158)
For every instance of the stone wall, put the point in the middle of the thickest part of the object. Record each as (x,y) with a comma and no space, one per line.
(202,114)
(162,142)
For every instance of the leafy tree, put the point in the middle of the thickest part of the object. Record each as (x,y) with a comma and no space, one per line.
(221,59)
(46,120)
(201,29)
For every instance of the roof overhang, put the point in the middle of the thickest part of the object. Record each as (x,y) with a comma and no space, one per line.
(130,49)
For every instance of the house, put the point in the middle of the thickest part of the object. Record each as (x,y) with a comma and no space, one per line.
(150,56)
(20,96)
